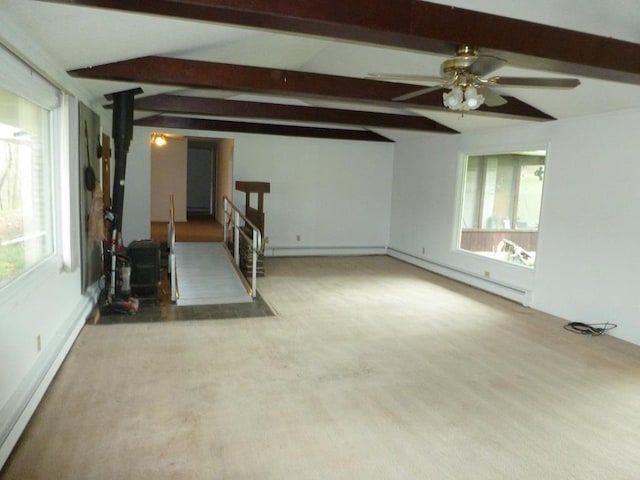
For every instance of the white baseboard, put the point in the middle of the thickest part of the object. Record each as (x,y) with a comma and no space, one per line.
(510,292)
(270,251)
(17,412)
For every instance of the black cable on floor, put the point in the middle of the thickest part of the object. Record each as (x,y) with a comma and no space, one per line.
(593,329)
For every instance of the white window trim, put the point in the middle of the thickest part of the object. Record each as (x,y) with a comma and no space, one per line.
(66,187)
(461,179)
(17,77)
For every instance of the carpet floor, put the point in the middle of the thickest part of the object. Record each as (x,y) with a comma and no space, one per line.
(369,369)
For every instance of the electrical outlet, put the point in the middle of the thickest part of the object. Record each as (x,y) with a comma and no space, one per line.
(487,274)
(423,250)
(297,238)
(39,343)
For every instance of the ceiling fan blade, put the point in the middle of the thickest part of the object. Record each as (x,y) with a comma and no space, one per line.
(416,93)
(491,98)
(535,82)
(408,77)
(485,64)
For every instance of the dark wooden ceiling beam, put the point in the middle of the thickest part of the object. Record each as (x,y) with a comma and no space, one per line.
(177,104)
(187,123)
(413,25)
(223,76)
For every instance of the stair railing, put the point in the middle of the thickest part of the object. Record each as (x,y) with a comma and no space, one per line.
(232,220)
(171,242)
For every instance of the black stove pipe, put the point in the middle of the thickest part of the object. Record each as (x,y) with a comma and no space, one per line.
(122,131)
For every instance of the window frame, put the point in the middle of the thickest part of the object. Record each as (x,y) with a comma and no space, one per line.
(514,194)
(461,184)
(23,81)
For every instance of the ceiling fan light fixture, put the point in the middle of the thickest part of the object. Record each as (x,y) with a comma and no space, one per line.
(467,72)
(460,100)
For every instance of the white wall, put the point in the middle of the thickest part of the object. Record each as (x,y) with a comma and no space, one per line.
(47,302)
(168,171)
(335,194)
(224,175)
(589,256)
(586,256)
(136,211)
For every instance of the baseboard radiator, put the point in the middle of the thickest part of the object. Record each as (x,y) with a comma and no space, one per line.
(322,251)
(510,292)
(17,411)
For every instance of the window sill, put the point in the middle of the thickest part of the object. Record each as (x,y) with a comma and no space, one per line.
(22,288)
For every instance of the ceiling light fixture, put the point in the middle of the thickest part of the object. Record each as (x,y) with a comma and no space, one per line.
(462,97)
(158,139)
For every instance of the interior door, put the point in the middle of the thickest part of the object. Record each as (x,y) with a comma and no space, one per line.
(200,180)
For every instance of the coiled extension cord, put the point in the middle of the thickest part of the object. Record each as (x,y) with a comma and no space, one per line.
(593,329)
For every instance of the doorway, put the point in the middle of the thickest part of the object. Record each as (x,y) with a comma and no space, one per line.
(170,170)
(201,179)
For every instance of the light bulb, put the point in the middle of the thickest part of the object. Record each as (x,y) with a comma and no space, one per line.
(159,140)
(453,99)
(472,99)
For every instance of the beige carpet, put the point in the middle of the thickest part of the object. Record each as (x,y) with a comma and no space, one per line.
(372,369)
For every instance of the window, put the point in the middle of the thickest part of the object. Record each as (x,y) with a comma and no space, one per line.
(501,204)
(25,191)
(27,230)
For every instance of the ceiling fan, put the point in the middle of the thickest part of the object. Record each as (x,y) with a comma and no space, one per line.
(464,76)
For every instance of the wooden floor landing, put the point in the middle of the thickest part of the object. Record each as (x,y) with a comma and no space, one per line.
(205,229)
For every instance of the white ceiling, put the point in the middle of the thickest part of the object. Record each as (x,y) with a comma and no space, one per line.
(77,37)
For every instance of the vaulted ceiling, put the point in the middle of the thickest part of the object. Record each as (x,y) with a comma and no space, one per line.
(285,67)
